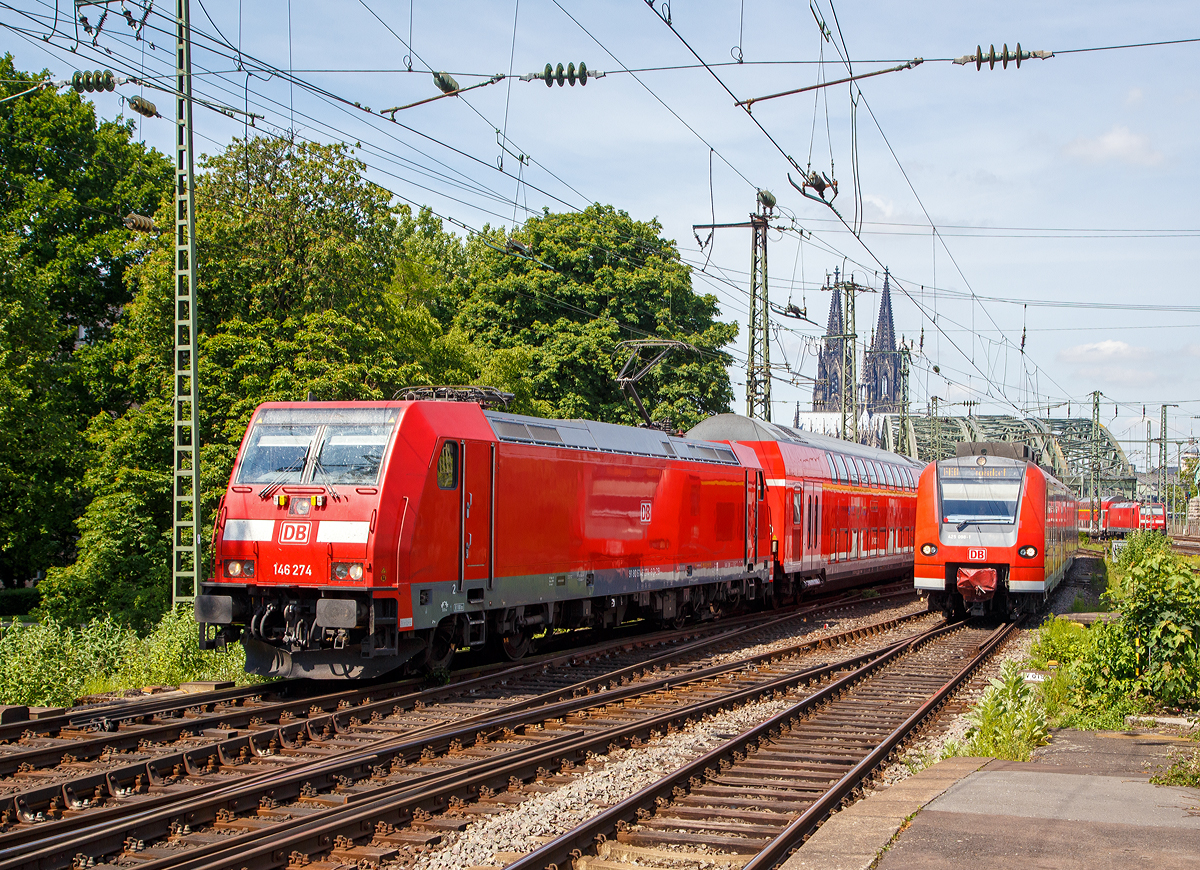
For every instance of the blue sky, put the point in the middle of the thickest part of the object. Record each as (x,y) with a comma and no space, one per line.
(1070,180)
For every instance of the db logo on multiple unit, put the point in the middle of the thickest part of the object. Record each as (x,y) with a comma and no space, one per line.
(977,554)
(646,511)
(294,533)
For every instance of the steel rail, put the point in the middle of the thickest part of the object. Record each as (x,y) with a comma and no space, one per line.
(394,801)
(317,831)
(794,834)
(561,851)
(113,783)
(246,794)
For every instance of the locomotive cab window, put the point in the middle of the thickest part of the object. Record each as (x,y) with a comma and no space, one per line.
(322,446)
(972,494)
(447,466)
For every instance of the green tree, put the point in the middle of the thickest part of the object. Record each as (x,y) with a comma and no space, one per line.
(298,259)
(570,287)
(65,183)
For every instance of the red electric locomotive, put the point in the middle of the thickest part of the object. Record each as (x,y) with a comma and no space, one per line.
(1154,517)
(357,536)
(994,531)
(1121,518)
(840,512)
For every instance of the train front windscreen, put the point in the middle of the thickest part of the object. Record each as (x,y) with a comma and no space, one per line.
(322,447)
(980,494)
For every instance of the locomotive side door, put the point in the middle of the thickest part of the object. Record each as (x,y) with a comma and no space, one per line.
(478,511)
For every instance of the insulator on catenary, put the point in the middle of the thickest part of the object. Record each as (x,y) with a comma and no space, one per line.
(140,222)
(445,82)
(565,75)
(143,106)
(979,57)
(93,80)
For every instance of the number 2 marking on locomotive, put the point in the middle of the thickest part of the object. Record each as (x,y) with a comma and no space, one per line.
(977,554)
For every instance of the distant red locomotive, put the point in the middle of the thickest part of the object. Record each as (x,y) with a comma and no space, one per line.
(994,532)
(358,536)
(1154,517)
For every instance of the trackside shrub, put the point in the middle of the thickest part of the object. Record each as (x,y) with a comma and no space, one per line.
(1140,545)
(1007,722)
(1161,624)
(19,602)
(51,664)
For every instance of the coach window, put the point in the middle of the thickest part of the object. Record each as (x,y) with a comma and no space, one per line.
(891,479)
(447,466)
(797,507)
(862,471)
(852,471)
(839,473)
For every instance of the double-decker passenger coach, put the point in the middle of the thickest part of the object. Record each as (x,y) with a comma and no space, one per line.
(995,532)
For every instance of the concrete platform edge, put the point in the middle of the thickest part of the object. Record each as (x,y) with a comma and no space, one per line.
(854,838)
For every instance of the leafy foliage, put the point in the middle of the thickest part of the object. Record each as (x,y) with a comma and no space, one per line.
(1183,768)
(1148,657)
(1141,544)
(18,602)
(65,183)
(581,284)
(49,663)
(312,284)
(1161,624)
(1007,722)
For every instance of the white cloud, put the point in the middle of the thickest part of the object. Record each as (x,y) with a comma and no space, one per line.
(885,207)
(1119,144)
(1113,362)
(1107,351)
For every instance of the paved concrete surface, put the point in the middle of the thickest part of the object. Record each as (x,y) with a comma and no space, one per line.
(1084,801)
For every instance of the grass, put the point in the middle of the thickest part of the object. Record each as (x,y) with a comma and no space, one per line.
(50,664)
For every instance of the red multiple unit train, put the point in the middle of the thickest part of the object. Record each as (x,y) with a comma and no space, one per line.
(994,532)
(356,537)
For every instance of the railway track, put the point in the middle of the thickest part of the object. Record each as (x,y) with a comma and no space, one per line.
(1188,546)
(748,803)
(85,758)
(396,736)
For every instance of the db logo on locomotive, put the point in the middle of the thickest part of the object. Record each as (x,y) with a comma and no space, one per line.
(294,532)
(977,554)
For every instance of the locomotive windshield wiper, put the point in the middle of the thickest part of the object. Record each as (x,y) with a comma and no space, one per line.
(282,473)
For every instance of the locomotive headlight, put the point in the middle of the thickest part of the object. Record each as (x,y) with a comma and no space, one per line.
(299,507)
(929,549)
(344,570)
(239,567)
(1027,552)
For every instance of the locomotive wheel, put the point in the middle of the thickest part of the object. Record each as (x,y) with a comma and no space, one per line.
(516,645)
(441,645)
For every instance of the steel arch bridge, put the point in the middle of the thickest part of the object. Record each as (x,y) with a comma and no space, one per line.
(1065,444)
